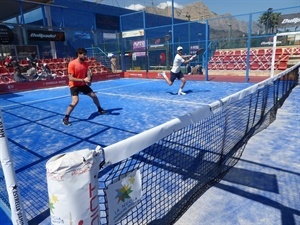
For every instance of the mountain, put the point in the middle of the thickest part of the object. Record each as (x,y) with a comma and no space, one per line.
(198,11)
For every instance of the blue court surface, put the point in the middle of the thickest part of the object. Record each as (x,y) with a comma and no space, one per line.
(262,189)
(264,186)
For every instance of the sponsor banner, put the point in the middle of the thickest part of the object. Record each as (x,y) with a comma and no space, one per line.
(31,85)
(72,180)
(6,35)
(135,74)
(289,20)
(133,33)
(138,46)
(24,86)
(41,35)
(109,36)
(138,54)
(123,195)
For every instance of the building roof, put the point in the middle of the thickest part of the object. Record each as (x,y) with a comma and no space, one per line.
(11,8)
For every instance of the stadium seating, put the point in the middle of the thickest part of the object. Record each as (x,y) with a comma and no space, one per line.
(5,75)
(58,66)
(259,58)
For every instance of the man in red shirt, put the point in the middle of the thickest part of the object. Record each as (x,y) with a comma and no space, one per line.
(79,81)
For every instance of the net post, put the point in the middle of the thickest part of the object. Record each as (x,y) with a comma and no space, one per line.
(273,55)
(17,211)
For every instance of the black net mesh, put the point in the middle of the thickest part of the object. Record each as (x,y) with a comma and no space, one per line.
(179,168)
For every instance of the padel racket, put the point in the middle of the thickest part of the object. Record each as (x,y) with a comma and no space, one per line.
(199,51)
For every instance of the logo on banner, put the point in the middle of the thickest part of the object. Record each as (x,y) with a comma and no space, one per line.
(39,35)
(123,195)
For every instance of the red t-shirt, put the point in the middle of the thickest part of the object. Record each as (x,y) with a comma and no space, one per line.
(78,70)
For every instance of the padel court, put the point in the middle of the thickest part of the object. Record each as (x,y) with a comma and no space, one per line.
(33,122)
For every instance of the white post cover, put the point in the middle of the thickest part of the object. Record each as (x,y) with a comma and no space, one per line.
(73,187)
(17,212)
(123,195)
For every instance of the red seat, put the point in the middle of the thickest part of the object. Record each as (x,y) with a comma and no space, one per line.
(284,58)
(252,51)
(226,59)
(265,66)
(3,71)
(217,53)
(254,65)
(288,51)
(296,51)
(277,58)
(278,51)
(5,75)
(260,52)
(269,51)
(282,66)
(230,66)
(222,66)
(230,52)
(244,52)
(216,66)
(237,52)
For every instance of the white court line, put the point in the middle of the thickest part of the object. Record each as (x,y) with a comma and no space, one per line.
(105,93)
(154,99)
(127,85)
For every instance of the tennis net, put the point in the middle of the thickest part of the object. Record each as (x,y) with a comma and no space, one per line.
(181,159)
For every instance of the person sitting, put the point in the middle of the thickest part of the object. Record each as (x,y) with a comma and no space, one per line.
(18,76)
(8,61)
(199,69)
(46,72)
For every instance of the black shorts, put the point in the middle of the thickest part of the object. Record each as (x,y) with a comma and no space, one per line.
(84,89)
(175,76)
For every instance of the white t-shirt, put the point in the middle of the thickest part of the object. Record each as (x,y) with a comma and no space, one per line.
(178,60)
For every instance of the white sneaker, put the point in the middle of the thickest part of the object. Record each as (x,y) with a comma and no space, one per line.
(181,93)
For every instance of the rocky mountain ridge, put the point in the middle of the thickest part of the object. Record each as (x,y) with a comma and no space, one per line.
(198,11)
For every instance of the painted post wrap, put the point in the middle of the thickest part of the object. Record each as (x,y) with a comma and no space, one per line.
(17,211)
(73,188)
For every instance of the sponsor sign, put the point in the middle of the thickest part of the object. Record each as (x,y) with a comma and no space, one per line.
(289,20)
(6,35)
(133,33)
(109,36)
(123,195)
(41,35)
(138,46)
(73,188)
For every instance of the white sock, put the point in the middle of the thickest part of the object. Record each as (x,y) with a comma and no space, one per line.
(180,90)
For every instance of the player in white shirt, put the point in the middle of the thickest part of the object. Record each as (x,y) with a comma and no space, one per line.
(176,70)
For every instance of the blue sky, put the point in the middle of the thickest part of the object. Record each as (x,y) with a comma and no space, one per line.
(234,7)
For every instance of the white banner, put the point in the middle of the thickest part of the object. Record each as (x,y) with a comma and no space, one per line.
(17,211)
(132,33)
(73,188)
(123,195)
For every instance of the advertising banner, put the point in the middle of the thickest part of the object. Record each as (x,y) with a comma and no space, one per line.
(73,188)
(123,195)
(43,35)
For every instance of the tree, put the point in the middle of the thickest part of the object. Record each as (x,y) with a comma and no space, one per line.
(270,20)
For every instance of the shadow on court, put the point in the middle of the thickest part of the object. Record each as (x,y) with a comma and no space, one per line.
(258,187)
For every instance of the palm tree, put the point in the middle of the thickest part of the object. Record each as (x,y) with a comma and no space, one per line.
(270,20)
